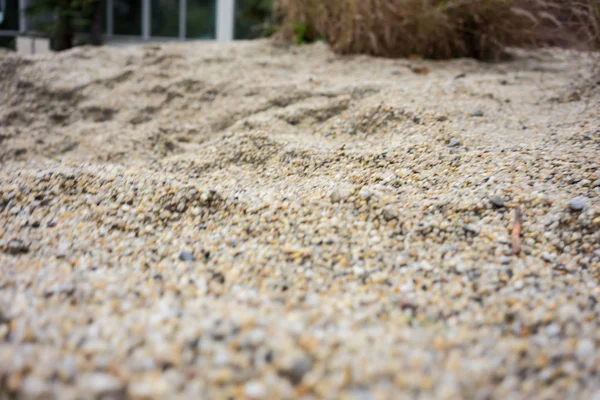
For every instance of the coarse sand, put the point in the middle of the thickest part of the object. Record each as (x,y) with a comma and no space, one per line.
(259,221)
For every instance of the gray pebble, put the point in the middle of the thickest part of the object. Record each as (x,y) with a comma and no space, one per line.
(576,204)
(298,369)
(186,256)
(498,201)
(339,195)
(17,246)
(477,113)
(504,260)
(548,256)
(454,142)
(365,194)
(389,213)
(470,228)
(553,330)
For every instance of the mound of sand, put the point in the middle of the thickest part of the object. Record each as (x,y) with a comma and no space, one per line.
(252,221)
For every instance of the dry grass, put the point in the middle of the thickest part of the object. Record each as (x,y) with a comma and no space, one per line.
(443,28)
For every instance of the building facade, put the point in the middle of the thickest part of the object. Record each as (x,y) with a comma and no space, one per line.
(147,19)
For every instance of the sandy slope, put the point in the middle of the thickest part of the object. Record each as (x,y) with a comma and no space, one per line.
(249,220)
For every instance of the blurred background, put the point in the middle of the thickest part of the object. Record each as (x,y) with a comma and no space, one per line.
(389,28)
(76,22)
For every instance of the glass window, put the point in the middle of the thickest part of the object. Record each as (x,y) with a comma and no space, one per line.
(165,18)
(128,17)
(11,16)
(200,19)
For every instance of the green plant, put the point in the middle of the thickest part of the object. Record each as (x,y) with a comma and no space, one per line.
(303,32)
(60,19)
(7,43)
(254,18)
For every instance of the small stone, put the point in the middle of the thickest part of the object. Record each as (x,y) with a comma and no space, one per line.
(424,265)
(477,113)
(585,349)
(519,284)
(470,228)
(454,142)
(101,384)
(576,204)
(596,183)
(548,257)
(339,195)
(35,388)
(187,256)
(498,201)
(553,330)
(255,390)
(67,369)
(221,358)
(17,246)
(63,248)
(365,194)
(407,287)
(148,387)
(504,260)
(299,368)
(389,213)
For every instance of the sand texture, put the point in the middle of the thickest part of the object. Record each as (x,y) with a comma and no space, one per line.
(256,221)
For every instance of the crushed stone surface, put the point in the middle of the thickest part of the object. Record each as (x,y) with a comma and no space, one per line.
(256,221)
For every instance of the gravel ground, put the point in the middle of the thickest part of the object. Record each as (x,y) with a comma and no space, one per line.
(254,221)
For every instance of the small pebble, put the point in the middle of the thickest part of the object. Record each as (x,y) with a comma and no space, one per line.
(255,390)
(100,384)
(454,142)
(498,201)
(339,195)
(547,256)
(519,284)
(186,256)
(17,246)
(553,330)
(576,204)
(470,228)
(389,213)
(36,388)
(585,349)
(299,368)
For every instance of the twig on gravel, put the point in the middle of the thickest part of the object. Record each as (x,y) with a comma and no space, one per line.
(516,232)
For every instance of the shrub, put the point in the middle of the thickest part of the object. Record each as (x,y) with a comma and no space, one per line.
(594,23)
(60,19)
(443,28)
(253,18)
